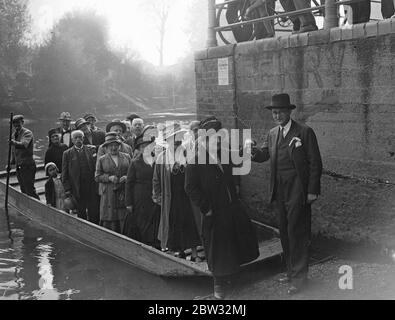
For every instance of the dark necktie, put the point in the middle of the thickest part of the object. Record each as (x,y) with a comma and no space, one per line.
(281,135)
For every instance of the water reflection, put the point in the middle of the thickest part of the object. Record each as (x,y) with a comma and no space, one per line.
(42,265)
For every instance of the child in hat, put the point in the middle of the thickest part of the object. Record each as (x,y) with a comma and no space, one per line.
(54,191)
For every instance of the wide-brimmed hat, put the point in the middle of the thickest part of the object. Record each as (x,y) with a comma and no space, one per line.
(116,123)
(89,115)
(80,122)
(111,137)
(65,116)
(18,117)
(147,136)
(281,101)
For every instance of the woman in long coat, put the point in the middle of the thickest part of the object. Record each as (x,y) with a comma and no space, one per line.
(111,173)
(142,220)
(177,229)
(229,238)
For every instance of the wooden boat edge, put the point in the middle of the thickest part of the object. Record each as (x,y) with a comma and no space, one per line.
(193,270)
(196,271)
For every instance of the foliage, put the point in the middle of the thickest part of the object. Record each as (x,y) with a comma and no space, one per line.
(14,25)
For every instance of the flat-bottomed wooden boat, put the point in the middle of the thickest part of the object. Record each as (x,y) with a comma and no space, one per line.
(133,252)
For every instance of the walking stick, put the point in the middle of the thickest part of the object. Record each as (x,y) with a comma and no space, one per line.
(8,164)
(8,180)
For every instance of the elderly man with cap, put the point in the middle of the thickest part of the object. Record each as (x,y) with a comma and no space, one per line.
(78,177)
(91,118)
(93,138)
(296,169)
(111,173)
(56,149)
(65,129)
(22,142)
(229,237)
(137,127)
(116,128)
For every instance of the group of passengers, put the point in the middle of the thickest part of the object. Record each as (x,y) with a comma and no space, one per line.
(133,180)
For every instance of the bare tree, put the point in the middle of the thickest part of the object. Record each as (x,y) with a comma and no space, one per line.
(160,10)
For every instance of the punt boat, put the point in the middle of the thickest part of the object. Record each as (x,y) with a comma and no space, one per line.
(133,252)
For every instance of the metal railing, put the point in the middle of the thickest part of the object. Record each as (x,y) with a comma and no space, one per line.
(330,9)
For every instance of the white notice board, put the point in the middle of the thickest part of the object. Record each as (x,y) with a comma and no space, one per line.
(223,71)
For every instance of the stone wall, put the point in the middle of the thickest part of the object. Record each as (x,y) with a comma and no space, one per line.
(343,82)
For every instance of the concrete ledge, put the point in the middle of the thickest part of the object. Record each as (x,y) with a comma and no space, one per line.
(346,33)
(358,31)
(384,27)
(283,42)
(294,40)
(201,54)
(318,37)
(371,29)
(303,39)
(245,48)
(219,52)
(270,44)
(335,34)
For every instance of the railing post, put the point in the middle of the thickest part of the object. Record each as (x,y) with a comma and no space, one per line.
(331,14)
(211,35)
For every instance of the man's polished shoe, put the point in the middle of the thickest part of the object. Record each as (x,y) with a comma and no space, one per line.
(292,290)
(284,280)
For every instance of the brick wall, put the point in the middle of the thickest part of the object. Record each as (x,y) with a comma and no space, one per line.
(343,83)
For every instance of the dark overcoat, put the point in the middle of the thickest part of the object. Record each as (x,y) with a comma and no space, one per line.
(229,237)
(71,170)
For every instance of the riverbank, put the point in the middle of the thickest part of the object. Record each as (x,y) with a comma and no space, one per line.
(371,281)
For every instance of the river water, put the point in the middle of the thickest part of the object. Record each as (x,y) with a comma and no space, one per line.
(40,264)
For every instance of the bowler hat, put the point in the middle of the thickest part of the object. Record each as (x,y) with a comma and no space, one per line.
(80,122)
(116,123)
(18,117)
(111,137)
(65,116)
(281,101)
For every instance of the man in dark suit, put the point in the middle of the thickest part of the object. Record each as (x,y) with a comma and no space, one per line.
(65,129)
(93,138)
(296,169)
(78,177)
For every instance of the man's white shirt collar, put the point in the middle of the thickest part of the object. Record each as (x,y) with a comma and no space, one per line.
(286,128)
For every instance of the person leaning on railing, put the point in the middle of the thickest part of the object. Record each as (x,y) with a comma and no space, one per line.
(301,23)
